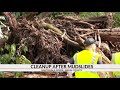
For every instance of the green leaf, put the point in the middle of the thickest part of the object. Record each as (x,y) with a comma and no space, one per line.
(27,61)
(7,47)
(18,60)
(13,49)
(5,59)
(13,59)
(18,74)
(23,60)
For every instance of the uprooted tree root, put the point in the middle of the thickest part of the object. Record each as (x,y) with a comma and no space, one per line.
(43,46)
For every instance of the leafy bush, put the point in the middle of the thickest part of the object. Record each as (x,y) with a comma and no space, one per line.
(9,55)
(117,19)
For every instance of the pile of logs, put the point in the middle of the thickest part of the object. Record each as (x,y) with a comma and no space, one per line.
(63,30)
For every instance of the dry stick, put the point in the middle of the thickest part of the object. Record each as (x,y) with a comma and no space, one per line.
(63,34)
(95,37)
(85,23)
(99,39)
(68,36)
(110,33)
(111,44)
(66,18)
(81,29)
(105,59)
(101,30)
(83,35)
(81,40)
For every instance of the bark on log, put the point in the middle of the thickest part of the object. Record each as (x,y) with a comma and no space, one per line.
(66,18)
(110,38)
(110,33)
(105,34)
(101,30)
(84,35)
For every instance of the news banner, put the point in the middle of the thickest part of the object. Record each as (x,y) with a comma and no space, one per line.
(58,67)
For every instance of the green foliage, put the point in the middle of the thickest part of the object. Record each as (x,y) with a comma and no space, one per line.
(81,14)
(117,19)
(11,55)
(12,50)
(55,14)
(2,75)
(90,14)
(22,60)
(18,74)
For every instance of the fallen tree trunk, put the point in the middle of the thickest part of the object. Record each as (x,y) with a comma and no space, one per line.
(110,33)
(110,38)
(106,34)
(60,33)
(101,30)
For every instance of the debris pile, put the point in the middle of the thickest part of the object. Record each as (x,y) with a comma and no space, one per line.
(51,40)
